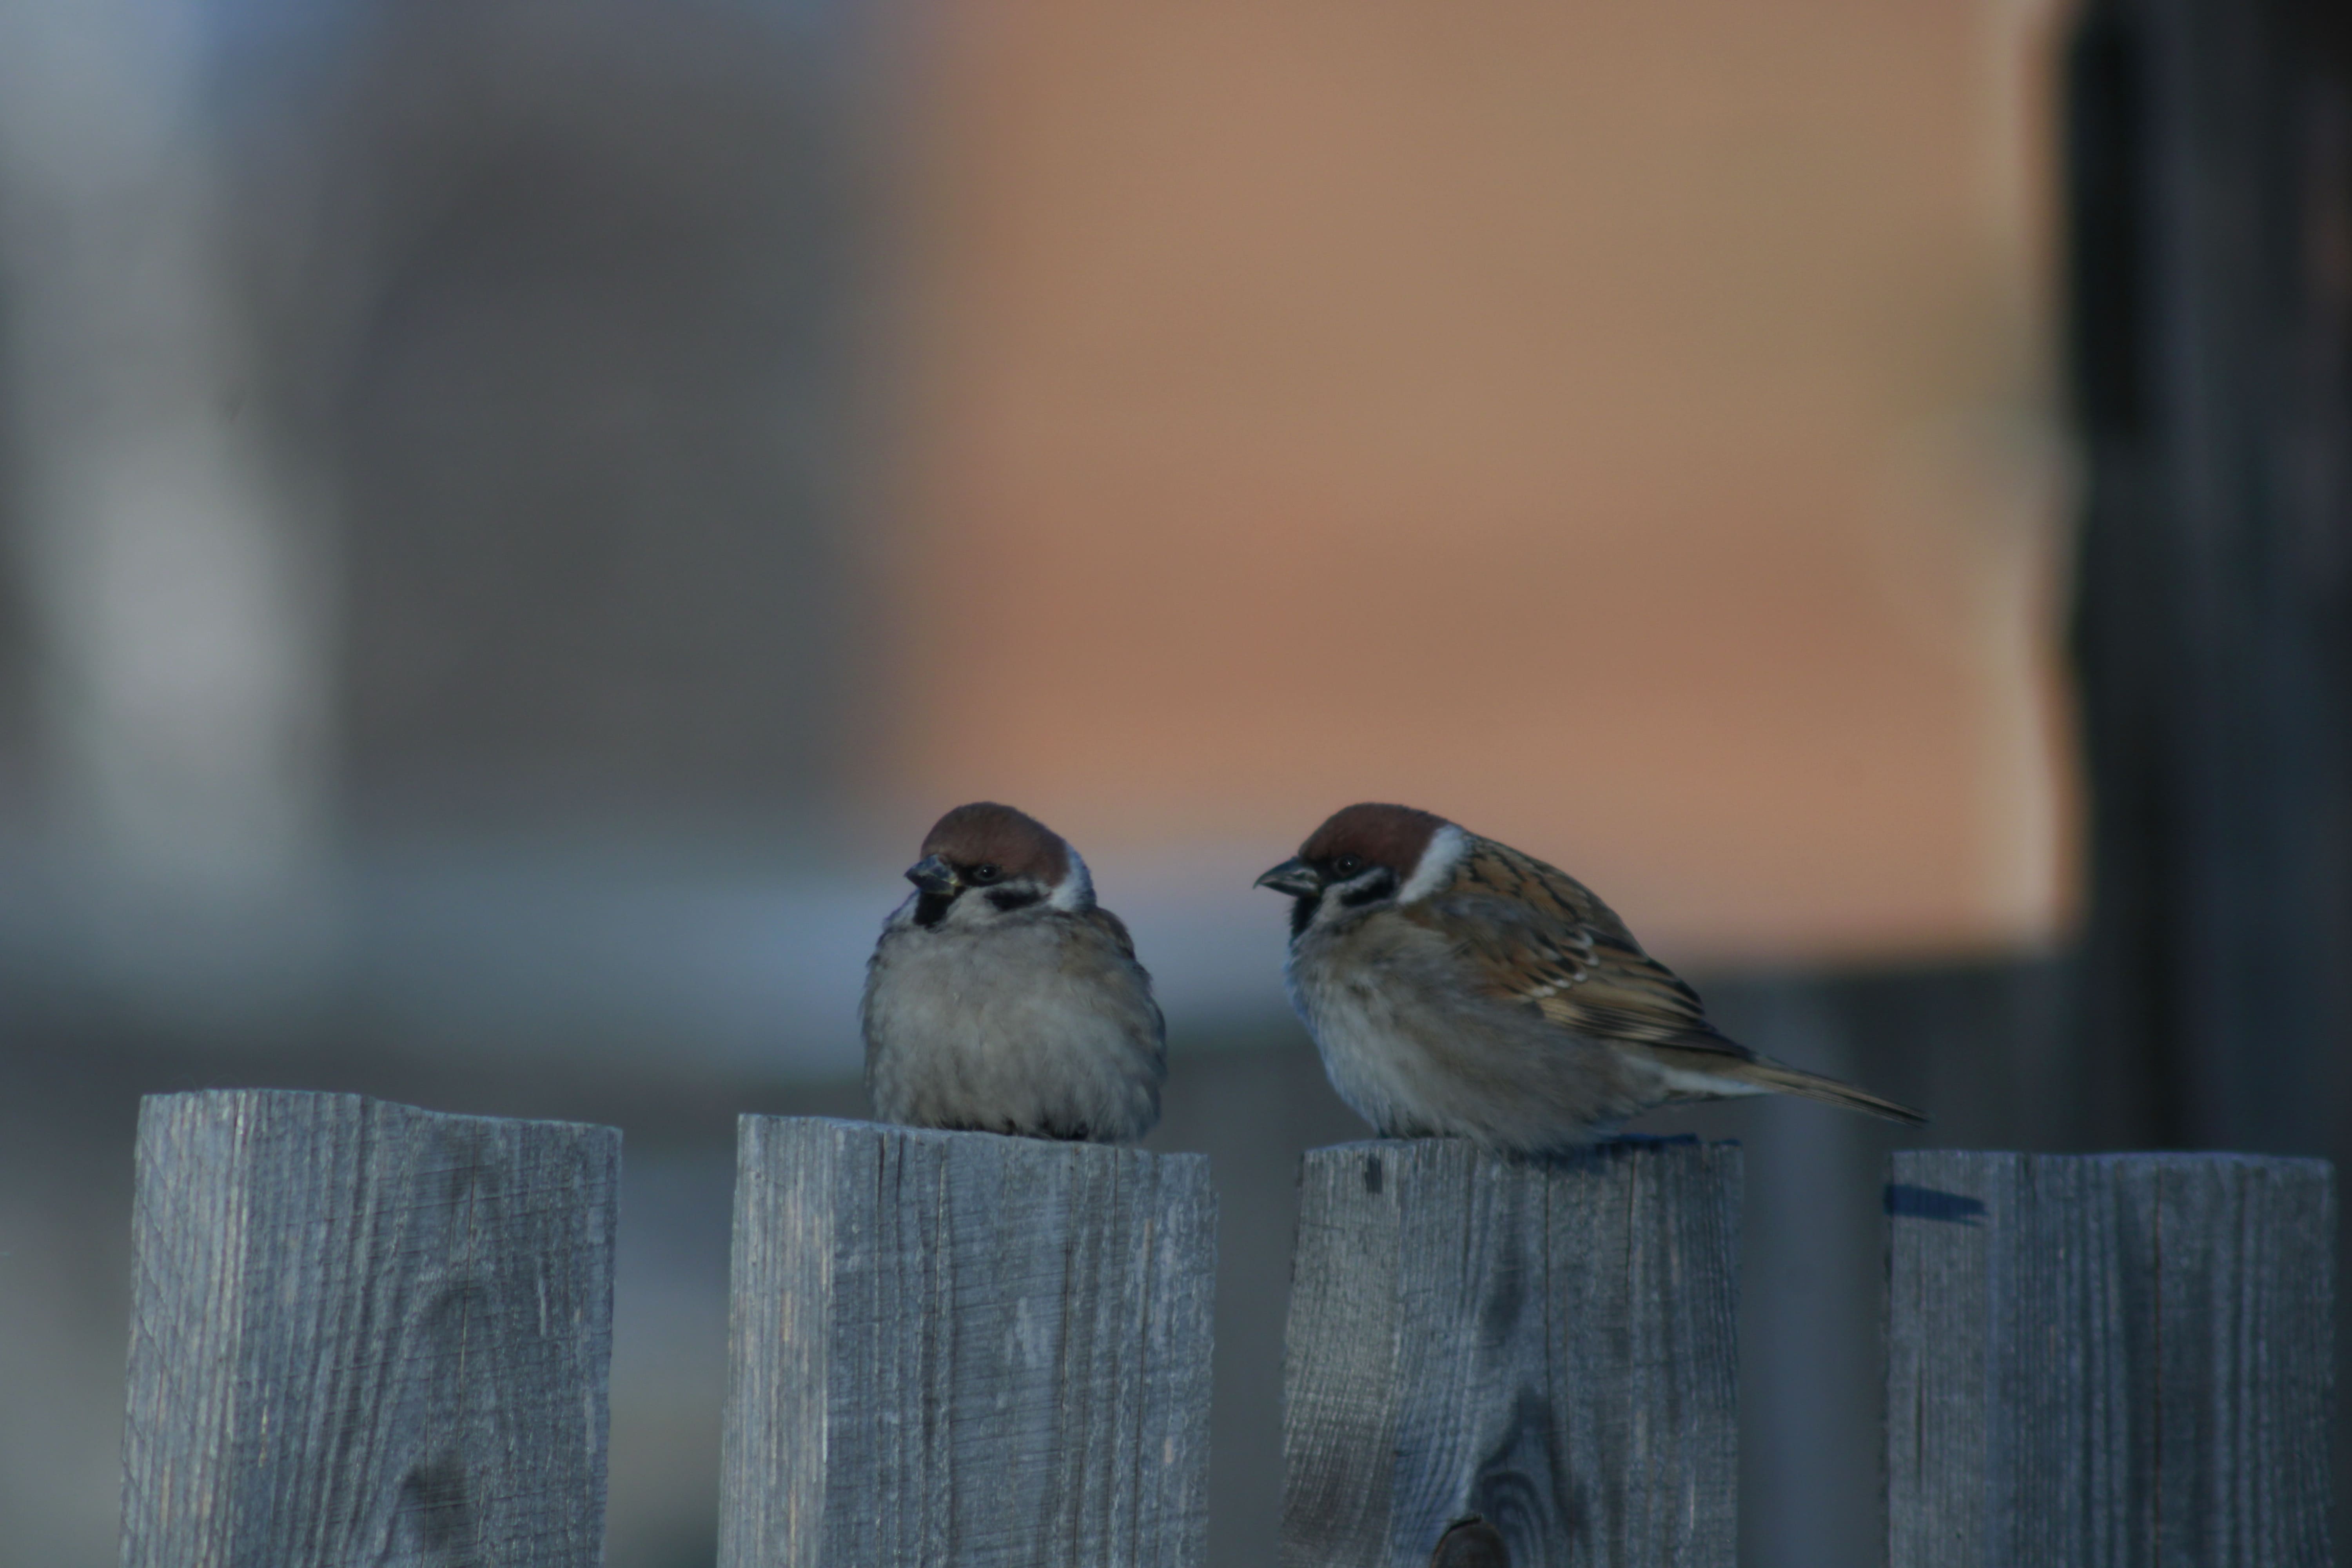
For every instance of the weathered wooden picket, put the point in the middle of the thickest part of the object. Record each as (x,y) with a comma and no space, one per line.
(365,1333)
(957,1347)
(1552,1347)
(2109,1360)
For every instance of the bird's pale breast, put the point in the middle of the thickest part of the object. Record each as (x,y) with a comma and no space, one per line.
(1417,1047)
(1035,1025)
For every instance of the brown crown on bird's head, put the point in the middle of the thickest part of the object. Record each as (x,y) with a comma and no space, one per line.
(987,834)
(1391,835)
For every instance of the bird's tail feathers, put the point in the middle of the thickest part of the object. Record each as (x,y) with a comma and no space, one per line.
(1782,1078)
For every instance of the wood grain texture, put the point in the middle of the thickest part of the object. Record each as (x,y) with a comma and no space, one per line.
(2102,1361)
(366,1334)
(1549,1343)
(957,1348)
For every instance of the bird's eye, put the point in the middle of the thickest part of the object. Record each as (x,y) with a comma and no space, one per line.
(1347,865)
(985,874)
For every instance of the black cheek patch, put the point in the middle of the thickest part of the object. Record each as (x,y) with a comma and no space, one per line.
(1378,885)
(1302,914)
(1010,898)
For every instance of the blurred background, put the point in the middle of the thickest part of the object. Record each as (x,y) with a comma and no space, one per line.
(514,516)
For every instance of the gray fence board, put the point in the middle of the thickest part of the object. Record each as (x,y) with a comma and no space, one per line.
(1549,1343)
(2106,1360)
(956,1348)
(364,1333)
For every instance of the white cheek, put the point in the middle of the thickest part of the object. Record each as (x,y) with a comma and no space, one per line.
(1447,849)
(1076,890)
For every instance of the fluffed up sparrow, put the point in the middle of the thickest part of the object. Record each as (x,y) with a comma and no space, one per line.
(1458,988)
(1002,998)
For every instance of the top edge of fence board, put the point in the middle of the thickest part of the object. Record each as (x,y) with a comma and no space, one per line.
(2184,1157)
(296,1098)
(1584,1157)
(944,1137)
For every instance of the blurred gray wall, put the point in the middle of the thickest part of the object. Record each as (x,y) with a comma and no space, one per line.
(429,620)
(430,441)
(581,366)
(479,377)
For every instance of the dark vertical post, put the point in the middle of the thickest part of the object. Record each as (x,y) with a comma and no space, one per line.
(2108,1360)
(2209,153)
(1550,1344)
(957,1348)
(2211,217)
(366,1334)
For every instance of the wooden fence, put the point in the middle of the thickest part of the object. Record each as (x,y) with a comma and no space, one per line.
(365,1333)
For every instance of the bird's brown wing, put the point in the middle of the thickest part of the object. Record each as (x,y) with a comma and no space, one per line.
(1535,934)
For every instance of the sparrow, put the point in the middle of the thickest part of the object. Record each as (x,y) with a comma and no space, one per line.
(1458,988)
(1002,998)
(1471,1543)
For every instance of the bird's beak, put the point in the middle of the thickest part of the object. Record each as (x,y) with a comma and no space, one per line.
(1293,877)
(933,875)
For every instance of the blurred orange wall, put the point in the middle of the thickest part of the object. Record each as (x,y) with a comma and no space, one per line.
(1622,427)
